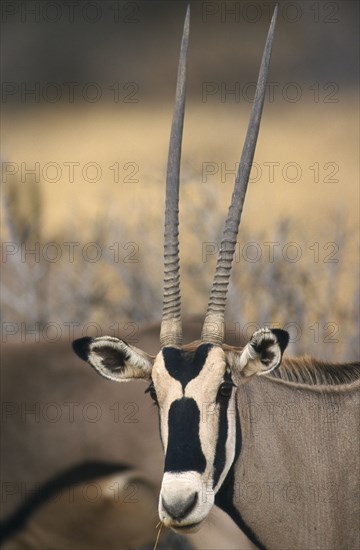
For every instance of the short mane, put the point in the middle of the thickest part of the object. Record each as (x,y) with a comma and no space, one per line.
(307,370)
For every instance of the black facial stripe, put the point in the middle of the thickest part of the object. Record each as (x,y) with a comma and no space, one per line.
(220,452)
(225,497)
(184,450)
(185,365)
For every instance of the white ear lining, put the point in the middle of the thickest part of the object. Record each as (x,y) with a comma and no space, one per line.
(248,354)
(132,362)
(248,361)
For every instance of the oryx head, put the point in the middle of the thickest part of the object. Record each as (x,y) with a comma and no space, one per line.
(194,385)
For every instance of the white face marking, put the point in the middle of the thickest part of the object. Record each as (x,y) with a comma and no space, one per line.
(197,409)
(203,389)
(167,390)
(181,487)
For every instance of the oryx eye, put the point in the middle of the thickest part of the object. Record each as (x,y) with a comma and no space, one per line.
(225,389)
(151,390)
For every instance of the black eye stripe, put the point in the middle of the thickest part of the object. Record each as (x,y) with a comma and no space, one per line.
(220,450)
(225,389)
(151,390)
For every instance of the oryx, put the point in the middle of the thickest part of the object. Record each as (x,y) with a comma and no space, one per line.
(63,417)
(287,474)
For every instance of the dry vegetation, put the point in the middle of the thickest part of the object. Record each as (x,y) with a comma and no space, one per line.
(318,293)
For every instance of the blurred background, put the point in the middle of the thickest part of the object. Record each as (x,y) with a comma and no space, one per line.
(87,95)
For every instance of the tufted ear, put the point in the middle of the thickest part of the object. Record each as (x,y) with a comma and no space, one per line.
(114,358)
(262,354)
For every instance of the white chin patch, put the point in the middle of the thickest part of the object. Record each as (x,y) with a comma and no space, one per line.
(185,500)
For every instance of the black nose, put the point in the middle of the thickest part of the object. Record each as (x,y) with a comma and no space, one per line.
(181,508)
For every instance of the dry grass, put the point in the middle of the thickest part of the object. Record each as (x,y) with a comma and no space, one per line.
(301,133)
(304,212)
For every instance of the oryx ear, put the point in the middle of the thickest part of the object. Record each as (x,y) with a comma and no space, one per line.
(114,358)
(263,353)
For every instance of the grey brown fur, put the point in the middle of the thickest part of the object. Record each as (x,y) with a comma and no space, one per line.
(297,476)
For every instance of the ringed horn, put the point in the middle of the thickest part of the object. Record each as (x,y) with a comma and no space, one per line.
(171,328)
(213,328)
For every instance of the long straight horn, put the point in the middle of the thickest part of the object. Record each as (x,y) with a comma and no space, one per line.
(171,329)
(213,328)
